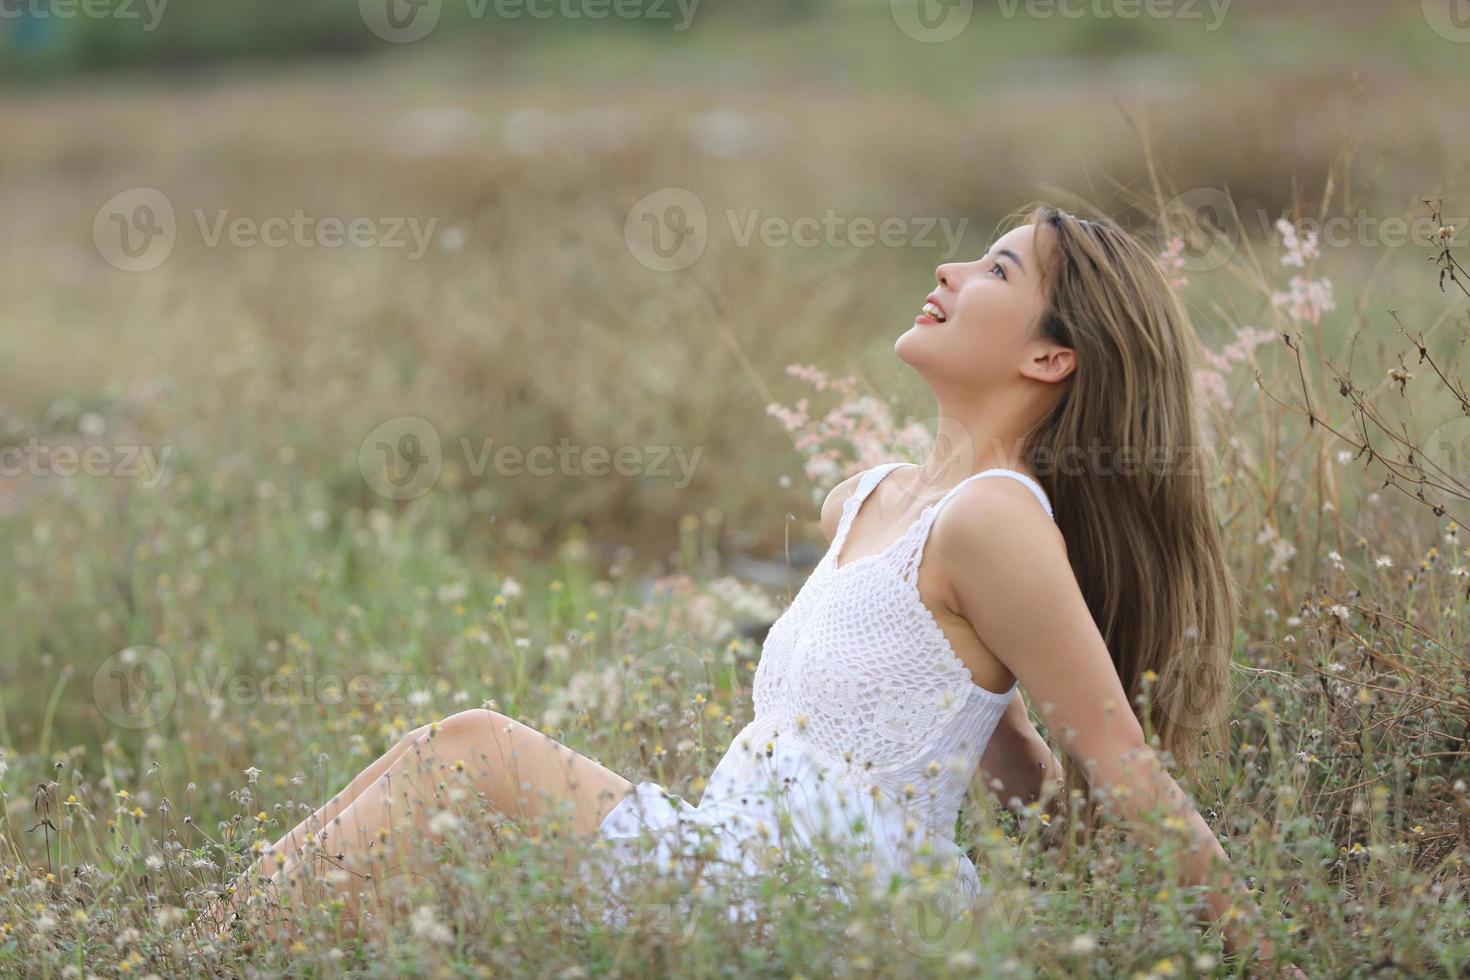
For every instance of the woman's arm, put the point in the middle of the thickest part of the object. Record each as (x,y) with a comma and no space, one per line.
(1007,565)
(1018,763)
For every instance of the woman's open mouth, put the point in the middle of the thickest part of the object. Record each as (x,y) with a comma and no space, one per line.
(931,313)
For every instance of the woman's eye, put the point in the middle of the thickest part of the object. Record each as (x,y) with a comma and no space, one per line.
(999,268)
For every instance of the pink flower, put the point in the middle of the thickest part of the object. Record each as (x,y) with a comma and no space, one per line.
(1305,300)
(1171,260)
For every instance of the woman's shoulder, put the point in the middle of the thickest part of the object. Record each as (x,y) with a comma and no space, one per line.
(831,512)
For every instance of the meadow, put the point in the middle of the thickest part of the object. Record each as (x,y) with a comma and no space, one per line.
(226,592)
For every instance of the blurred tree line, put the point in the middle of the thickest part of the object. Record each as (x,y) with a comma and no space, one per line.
(46,37)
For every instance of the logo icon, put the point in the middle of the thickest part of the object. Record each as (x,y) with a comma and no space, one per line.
(932,916)
(1205,218)
(400,21)
(135,688)
(1450,19)
(667,230)
(401,458)
(135,230)
(932,21)
(1447,449)
(662,682)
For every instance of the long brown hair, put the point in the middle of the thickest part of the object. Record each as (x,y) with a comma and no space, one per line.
(1142,537)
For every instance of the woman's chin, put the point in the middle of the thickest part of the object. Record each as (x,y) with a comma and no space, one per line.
(912,343)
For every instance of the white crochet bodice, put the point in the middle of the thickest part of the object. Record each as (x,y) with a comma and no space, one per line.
(859,672)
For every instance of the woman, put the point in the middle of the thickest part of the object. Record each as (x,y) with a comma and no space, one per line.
(1089,572)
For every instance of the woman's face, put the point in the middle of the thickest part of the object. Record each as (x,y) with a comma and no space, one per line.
(981,329)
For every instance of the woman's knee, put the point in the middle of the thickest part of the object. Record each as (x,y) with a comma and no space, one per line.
(479,726)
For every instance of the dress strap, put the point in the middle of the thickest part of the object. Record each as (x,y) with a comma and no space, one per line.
(871,478)
(909,566)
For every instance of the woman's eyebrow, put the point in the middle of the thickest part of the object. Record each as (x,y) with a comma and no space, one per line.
(1014,258)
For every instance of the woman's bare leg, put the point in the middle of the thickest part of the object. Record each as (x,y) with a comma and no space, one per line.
(291,842)
(525,774)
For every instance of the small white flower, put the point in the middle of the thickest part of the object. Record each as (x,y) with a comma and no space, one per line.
(427,925)
(1082,944)
(1383,561)
(443,822)
(510,588)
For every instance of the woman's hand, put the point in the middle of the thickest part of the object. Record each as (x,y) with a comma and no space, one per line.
(1018,764)
(1266,950)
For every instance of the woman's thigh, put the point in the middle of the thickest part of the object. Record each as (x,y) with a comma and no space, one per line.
(525,772)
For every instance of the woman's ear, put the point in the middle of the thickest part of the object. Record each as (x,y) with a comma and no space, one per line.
(1051,363)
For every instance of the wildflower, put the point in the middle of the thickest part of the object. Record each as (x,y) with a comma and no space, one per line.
(1383,561)
(1172,261)
(1082,944)
(250,774)
(1305,300)
(443,822)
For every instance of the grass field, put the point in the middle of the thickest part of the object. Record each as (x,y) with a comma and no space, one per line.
(221,606)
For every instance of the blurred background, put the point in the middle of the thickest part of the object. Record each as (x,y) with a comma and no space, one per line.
(491,153)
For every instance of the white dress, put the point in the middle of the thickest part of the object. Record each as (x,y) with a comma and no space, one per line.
(868,730)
